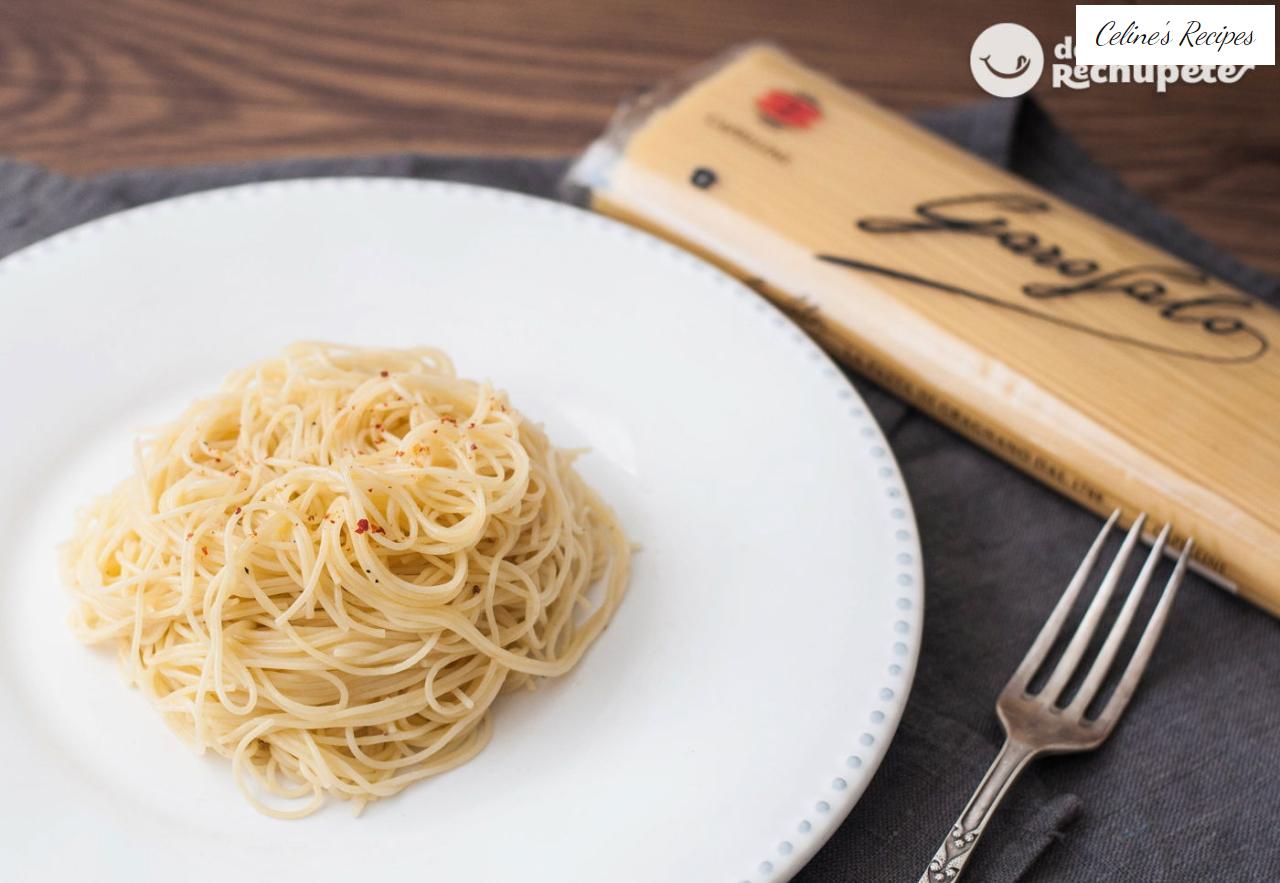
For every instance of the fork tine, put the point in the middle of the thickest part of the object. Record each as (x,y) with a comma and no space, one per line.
(1089,624)
(1053,625)
(1146,645)
(1101,665)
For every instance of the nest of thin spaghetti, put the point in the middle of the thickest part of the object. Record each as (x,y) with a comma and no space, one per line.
(329,570)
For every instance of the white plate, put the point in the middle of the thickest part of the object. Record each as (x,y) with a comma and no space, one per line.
(718,731)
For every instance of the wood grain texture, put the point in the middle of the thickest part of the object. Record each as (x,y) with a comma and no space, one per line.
(87,86)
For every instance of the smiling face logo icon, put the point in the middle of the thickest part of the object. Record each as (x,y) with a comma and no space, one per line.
(1006,60)
(1023,64)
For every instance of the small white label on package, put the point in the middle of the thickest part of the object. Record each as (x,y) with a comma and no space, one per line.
(1203,34)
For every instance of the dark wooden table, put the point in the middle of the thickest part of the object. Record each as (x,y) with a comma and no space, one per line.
(87,85)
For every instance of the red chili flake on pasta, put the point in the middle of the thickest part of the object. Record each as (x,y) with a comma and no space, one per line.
(237,510)
(385,373)
(204,550)
(362,525)
(473,447)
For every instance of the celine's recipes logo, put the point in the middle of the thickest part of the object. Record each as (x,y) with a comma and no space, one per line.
(1007,59)
(1082,76)
(1177,296)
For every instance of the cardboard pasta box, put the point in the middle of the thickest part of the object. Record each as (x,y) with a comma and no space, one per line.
(1117,374)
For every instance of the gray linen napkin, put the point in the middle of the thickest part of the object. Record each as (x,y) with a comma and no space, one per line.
(1188,788)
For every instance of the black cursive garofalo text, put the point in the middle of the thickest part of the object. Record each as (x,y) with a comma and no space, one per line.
(1153,285)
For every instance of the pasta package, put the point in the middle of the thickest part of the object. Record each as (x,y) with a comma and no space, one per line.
(1116,374)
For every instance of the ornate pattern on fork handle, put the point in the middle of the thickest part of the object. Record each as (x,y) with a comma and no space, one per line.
(953,854)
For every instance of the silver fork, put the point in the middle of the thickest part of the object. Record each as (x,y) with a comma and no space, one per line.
(1034,725)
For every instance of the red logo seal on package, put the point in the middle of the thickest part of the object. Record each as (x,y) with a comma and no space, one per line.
(788,110)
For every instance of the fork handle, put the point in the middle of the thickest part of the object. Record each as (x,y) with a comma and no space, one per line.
(949,861)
